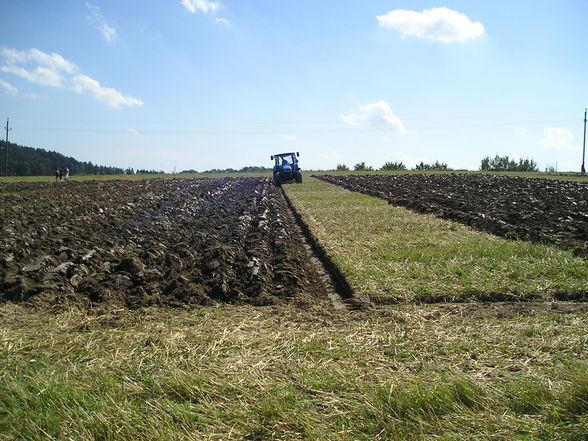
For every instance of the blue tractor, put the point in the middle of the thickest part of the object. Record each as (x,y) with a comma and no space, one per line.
(286,168)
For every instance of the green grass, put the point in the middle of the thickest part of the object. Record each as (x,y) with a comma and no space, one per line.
(454,372)
(394,255)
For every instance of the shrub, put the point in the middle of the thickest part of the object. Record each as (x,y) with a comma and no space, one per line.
(393,166)
(435,166)
(360,166)
(504,163)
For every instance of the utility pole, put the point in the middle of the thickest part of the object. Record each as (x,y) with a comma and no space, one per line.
(584,145)
(6,147)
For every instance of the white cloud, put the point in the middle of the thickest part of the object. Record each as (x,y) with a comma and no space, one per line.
(557,138)
(8,88)
(111,97)
(55,71)
(289,138)
(36,66)
(519,132)
(203,6)
(108,33)
(223,21)
(33,96)
(96,17)
(39,75)
(378,114)
(53,62)
(438,24)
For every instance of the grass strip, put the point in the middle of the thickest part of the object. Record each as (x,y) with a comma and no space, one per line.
(451,372)
(394,255)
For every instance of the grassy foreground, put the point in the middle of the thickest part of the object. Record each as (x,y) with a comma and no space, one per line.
(394,255)
(445,372)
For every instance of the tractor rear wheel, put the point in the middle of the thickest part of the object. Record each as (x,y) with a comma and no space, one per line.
(298,177)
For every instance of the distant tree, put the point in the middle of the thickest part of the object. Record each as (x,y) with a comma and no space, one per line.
(246,169)
(504,163)
(255,169)
(393,166)
(22,169)
(128,171)
(485,166)
(435,166)
(528,165)
(220,170)
(360,166)
(142,171)
(342,167)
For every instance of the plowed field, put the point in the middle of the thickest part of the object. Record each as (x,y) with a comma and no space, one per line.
(539,210)
(151,242)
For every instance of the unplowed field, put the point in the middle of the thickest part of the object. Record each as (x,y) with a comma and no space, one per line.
(152,242)
(539,210)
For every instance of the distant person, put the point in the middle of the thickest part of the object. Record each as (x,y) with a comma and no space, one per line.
(60,174)
(57,173)
(66,174)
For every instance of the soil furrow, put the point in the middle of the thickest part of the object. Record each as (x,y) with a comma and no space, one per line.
(338,289)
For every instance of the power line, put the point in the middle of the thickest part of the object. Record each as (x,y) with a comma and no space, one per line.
(277,123)
(225,131)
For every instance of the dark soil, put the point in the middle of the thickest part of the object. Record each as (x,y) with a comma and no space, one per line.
(539,210)
(152,242)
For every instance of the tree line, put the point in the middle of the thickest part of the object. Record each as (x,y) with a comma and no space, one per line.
(498,163)
(395,166)
(246,169)
(504,163)
(29,161)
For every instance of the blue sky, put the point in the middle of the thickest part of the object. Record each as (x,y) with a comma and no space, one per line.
(201,84)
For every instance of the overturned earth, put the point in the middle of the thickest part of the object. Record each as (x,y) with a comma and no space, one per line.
(152,242)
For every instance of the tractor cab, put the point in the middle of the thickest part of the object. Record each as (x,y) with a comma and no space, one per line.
(286,168)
